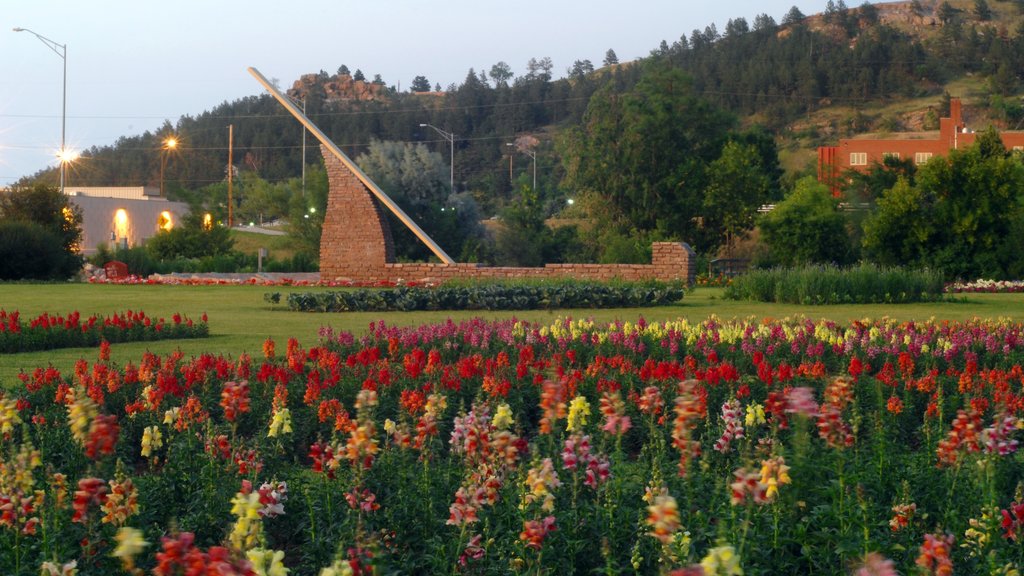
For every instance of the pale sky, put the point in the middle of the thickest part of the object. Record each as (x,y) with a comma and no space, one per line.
(131,65)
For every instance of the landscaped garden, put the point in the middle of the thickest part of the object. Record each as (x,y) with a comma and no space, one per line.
(644,440)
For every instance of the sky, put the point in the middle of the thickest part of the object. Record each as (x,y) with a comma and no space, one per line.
(134,64)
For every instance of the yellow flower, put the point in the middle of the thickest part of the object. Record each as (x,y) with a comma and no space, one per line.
(755,415)
(151,440)
(339,568)
(267,562)
(246,531)
(67,569)
(129,543)
(579,409)
(389,426)
(773,473)
(502,417)
(81,412)
(281,423)
(722,561)
(8,416)
(171,416)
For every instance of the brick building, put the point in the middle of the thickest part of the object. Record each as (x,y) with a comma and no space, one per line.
(861,152)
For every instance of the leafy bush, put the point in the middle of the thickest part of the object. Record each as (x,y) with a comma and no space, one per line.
(864,284)
(30,251)
(521,296)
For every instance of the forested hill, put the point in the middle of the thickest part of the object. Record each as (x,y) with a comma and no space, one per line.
(774,71)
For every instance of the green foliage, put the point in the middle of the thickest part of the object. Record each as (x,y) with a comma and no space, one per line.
(806,227)
(492,296)
(418,181)
(738,186)
(959,217)
(190,240)
(306,211)
(863,284)
(28,251)
(48,208)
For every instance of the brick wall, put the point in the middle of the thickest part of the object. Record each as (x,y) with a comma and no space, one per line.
(356,245)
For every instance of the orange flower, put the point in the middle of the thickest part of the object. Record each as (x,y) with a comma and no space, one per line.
(663,518)
(934,557)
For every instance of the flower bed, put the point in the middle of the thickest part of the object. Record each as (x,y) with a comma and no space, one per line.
(999,286)
(213,279)
(49,331)
(779,447)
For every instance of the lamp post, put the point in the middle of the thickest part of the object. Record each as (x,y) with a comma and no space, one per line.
(169,144)
(532,155)
(450,137)
(63,53)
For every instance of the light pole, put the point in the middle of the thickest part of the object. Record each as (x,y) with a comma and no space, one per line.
(63,53)
(450,137)
(169,144)
(529,153)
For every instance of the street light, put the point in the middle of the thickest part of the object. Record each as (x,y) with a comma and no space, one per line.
(169,144)
(531,154)
(450,137)
(63,53)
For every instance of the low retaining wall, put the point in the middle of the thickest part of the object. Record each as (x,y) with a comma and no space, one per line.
(356,245)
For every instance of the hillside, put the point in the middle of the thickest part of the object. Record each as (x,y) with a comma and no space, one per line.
(808,80)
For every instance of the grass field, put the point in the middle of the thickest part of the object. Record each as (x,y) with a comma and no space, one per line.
(240,320)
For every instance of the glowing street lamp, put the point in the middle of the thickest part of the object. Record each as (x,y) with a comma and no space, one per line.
(63,53)
(170,143)
(450,137)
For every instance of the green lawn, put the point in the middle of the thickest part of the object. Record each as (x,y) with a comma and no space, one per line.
(240,320)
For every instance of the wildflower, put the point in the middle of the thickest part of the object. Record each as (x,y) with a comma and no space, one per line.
(473,550)
(748,485)
(650,401)
(8,416)
(272,497)
(248,528)
(579,409)
(362,445)
(534,531)
(978,535)
(268,348)
(91,491)
(267,562)
(934,557)
(874,564)
(338,568)
(800,400)
(122,501)
(66,569)
(894,405)
(151,440)
(1013,521)
(81,412)
(389,426)
(723,561)
(130,543)
(365,500)
(234,398)
(689,409)
(964,436)
(996,438)
(903,514)
(171,415)
(832,428)
(502,417)
(540,481)
(281,423)
(733,427)
(614,411)
(773,473)
(552,404)
(755,415)
(663,517)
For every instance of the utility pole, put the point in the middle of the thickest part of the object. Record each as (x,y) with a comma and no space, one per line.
(231,172)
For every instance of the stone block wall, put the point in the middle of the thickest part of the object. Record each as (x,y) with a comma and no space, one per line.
(356,245)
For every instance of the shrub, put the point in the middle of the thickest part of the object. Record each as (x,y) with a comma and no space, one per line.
(864,284)
(31,252)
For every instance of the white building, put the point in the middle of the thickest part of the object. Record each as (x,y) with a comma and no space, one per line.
(123,216)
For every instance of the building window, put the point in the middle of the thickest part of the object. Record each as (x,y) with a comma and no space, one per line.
(858,159)
(888,155)
(922,158)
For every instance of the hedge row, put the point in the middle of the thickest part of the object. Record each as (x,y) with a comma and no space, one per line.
(486,297)
(864,284)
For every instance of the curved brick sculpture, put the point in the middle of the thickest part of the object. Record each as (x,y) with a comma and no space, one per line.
(356,245)
(356,240)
